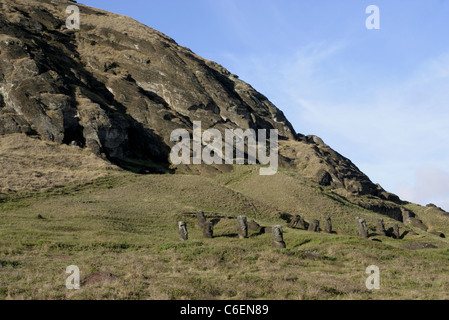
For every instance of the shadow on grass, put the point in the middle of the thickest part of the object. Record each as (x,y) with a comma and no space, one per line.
(143,166)
(229,235)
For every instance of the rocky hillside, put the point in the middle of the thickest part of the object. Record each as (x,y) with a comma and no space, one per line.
(115,87)
(118,89)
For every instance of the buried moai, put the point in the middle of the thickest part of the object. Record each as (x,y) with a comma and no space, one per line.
(297,222)
(396,234)
(208,230)
(242,227)
(380,227)
(201,219)
(254,226)
(314,226)
(362,228)
(301,224)
(278,238)
(294,222)
(183,233)
(328,225)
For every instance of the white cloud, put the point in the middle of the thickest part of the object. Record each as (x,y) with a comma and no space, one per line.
(431,185)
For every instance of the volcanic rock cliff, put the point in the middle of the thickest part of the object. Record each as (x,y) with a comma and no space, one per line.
(119,88)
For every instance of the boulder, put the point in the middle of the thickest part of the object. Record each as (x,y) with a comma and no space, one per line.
(324,178)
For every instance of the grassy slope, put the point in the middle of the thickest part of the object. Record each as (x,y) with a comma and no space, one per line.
(30,165)
(434,218)
(126,226)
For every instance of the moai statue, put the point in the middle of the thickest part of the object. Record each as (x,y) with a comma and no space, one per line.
(362,228)
(380,227)
(314,226)
(301,224)
(328,227)
(242,227)
(407,216)
(201,219)
(396,234)
(208,230)
(278,238)
(294,222)
(253,225)
(183,234)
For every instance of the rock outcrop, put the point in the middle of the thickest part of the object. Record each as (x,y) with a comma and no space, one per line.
(115,86)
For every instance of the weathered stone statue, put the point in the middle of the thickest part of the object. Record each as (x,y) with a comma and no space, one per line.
(362,228)
(254,226)
(396,234)
(328,226)
(294,222)
(301,224)
(201,219)
(314,226)
(278,238)
(183,234)
(380,227)
(242,227)
(208,230)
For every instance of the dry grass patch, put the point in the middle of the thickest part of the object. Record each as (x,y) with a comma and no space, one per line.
(30,164)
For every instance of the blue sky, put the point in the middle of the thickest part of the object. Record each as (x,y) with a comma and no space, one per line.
(379,97)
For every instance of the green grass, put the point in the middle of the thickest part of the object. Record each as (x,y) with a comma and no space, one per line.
(127,226)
